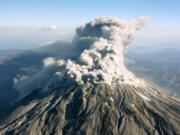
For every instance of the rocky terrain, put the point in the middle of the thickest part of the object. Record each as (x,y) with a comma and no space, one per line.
(94,109)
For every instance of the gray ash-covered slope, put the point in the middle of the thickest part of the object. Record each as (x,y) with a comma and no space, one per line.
(93,94)
(94,110)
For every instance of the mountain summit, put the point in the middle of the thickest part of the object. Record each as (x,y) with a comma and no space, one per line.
(94,93)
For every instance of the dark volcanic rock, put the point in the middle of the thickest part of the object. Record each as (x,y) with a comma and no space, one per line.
(93,110)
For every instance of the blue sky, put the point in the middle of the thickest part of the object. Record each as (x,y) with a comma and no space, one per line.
(69,13)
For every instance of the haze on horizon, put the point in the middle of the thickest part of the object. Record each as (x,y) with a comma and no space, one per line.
(19,19)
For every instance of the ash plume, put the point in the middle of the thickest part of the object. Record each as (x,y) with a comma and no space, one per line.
(98,56)
(25,84)
(103,43)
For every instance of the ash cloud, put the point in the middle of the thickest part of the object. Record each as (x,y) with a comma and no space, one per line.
(25,84)
(103,43)
(96,56)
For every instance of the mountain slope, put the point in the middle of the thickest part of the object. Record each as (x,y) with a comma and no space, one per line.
(94,109)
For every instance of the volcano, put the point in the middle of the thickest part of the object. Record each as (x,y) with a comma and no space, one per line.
(94,94)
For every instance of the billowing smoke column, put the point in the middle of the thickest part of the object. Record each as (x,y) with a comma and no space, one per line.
(98,57)
(102,43)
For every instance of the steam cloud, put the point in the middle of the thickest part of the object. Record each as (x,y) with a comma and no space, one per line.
(100,49)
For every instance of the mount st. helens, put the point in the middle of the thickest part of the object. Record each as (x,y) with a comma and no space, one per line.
(94,93)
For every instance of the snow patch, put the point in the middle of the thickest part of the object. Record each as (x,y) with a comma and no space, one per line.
(111,99)
(144,97)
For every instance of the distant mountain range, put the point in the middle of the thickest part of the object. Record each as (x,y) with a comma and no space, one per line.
(28,38)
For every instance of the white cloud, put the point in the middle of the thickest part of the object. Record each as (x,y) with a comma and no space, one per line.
(98,52)
(105,41)
(27,83)
(49,61)
(53,27)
